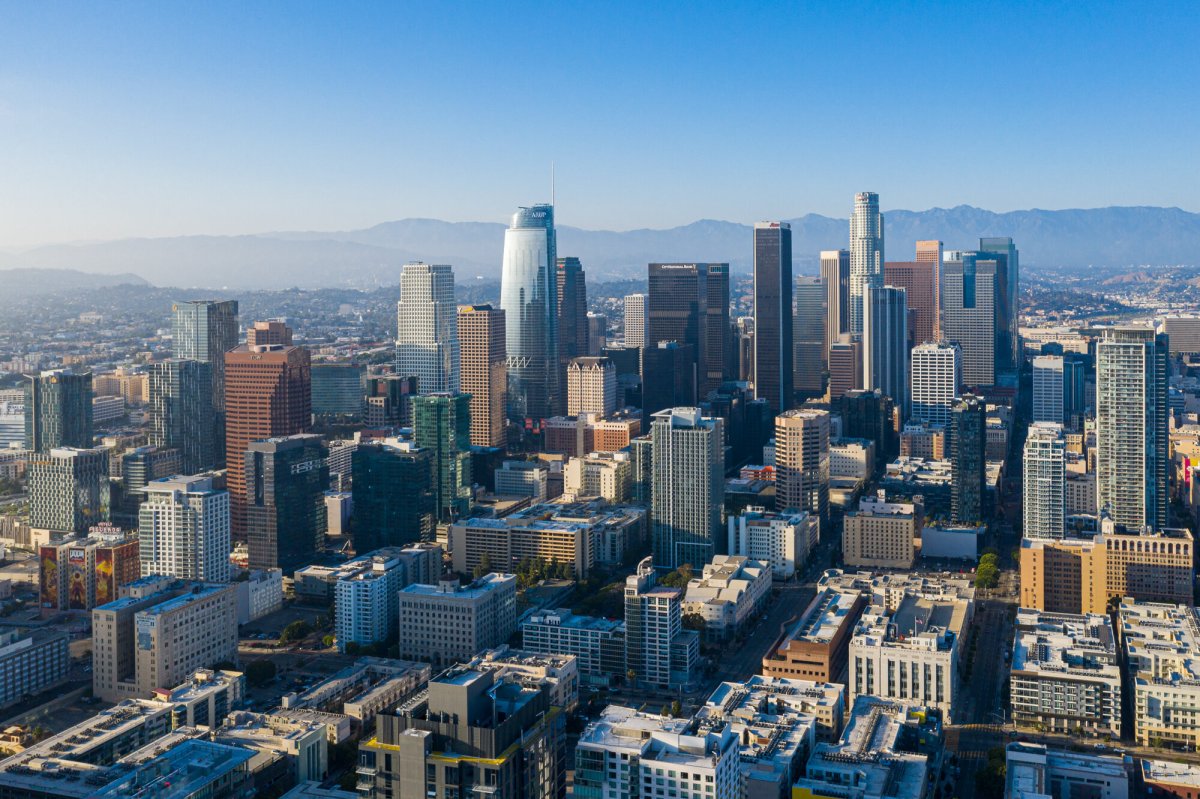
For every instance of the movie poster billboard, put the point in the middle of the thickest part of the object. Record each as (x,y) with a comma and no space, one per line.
(49,576)
(77,595)
(106,585)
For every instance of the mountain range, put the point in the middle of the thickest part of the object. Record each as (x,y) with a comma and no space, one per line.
(1074,239)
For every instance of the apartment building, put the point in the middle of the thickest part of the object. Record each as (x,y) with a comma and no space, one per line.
(447,623)
(597,644)
(730,592)
(882,534)
(781,540)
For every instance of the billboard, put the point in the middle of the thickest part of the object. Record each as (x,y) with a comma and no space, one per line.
(106,584)
(77,594)
(49,576)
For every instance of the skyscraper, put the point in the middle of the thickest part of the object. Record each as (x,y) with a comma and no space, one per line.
(1007,257)
(936,377)
(181,412)
(689,303)
(919,281)
(394,500)
(268,393)
(529,297)
(58,410)
(930,252)
(571,289)
(204,330)
(668,377)
(285,504)
(967,450)
(1048,388)
(1043,501)
(835,269)
(773,325)
(484,373)
(885,343)
(597,333)
(1131,427)
(442,424)
(688,488)
(635,320)
(870,414)
(426,328)
(69,489)
(183,529)
(866,253)
(969,294)
(845,366)
(802,463)
(809,337)
(591,386)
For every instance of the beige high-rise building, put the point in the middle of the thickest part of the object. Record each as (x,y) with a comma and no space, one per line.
(931,252)
(835,269)
(802,462)
(591,386)
(1080,576)
(159,633)
(635,320)
(882,534)
(483,373)
(845,366)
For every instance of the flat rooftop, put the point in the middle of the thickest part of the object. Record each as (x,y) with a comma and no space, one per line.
(826,615)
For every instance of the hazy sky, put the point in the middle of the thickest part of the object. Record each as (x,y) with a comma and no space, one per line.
(131,119)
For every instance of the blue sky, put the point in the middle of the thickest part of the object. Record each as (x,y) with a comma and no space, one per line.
(159,118)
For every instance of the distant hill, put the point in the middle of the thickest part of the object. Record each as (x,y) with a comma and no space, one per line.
(16,284)
(1102,238)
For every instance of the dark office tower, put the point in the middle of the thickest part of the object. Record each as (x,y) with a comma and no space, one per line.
(870,415)
(268,393)
(668,377)
(809,337)
(204,330)
(747,422)
(866,253)
(571,285)
(715,367)
(682,302)
(835,269)
(744,330)
(845,366)
(1074,391)
(337,390)
(394,501)
(1007,257)
(386,398)
(529,297)
(919,281)
(885,344)
(968,425)
(773,370)
(442,424)
(286,480)
(597,336)
(483,373)
(969,294)
(58,410)
(181,412)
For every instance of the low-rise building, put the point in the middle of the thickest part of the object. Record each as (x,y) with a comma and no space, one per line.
(447,623)
(483,544)
(783,541)
(260,594)
(558,673)
(909,652)
(815,646)
(730,591)
(825,702)
(884,751)
(1033,771)
(522,479)
(906,478)
(1162,654)
(284,750)
(601,474)
(1167,778)
(625,751)
(946,541)
(852,457)
(597,644)
(205,699)
(617,530)
(358,693)
(1065,677)
(31,663)
(923,440)
(882,534)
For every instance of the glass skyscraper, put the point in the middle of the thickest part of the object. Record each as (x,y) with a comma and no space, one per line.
(529,298)
(773,315)
(204,330)
(427,327)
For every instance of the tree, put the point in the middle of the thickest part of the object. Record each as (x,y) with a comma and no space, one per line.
(295,631)
(676,709)
(327,641)
(678,578)
(484,567)
(692,621)
(260,672)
